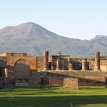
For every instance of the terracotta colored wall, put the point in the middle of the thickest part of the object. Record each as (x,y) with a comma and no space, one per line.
(71,83)
(55,81)
(11,60)
(93,81)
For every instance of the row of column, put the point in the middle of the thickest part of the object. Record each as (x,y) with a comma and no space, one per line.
(58,64)
(70,67)
(84,63)
(97,62)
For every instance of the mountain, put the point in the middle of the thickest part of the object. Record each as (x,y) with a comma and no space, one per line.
(33,39)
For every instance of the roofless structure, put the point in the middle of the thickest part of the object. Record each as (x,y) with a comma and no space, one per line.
(20,69)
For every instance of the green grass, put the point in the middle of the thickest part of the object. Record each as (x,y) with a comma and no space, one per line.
(53,97)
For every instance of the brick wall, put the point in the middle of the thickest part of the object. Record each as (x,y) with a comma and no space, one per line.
(93,81)
(34,81)
(71,83)
(56,81)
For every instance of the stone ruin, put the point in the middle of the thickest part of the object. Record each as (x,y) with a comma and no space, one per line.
(21,69)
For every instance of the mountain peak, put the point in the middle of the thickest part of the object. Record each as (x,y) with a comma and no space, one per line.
(32,38)
(99,37)
(33,27)
(28,24)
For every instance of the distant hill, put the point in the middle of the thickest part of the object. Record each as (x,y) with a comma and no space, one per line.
(33,39)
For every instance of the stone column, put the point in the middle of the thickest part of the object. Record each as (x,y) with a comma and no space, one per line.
(52,66)
(6,72)
(36,63)
(58,64)
(97,61)
(45,55)
(84,65)
(70,67)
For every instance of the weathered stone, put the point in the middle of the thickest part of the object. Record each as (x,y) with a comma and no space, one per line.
(23,69)
(46,55)
(34,81)
(56,81)
(6,72)
(84,64)
(71,83)
(58,64)
(97,61)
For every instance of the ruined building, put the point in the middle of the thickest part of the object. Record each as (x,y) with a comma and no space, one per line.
(20,69)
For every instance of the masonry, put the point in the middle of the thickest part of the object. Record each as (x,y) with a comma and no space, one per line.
(21,69)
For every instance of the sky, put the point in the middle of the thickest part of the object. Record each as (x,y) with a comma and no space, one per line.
(82,19)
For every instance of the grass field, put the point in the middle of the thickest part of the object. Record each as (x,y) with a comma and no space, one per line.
(53,97)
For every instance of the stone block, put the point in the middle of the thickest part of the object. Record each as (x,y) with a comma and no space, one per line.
(56,81)
(34,81)
(71,83)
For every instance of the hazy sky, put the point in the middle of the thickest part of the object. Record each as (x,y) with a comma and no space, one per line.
(72,18)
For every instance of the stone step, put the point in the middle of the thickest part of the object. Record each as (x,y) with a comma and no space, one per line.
(21,84)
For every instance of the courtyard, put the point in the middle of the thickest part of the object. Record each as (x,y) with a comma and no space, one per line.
(95,96)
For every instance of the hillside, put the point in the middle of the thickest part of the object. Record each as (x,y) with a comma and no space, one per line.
(33,39)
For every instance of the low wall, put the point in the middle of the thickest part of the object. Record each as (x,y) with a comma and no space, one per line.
(55,81)
(68,83)
(93,81)
(85,78)
(71,83)
(6,82)
(34,81)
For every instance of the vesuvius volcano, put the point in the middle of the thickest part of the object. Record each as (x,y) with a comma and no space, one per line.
(33,39)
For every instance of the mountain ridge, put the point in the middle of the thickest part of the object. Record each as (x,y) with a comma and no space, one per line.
(33,39)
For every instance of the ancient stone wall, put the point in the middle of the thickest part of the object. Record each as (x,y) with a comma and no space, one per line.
(103,65)
(19,63)
(39,63)
(6,82)
(71,83)
(93,81)
(56,81)
(85,77)
(34,81)
(11,60)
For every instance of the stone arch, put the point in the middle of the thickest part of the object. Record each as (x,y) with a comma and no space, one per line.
(20,59)
(21,69)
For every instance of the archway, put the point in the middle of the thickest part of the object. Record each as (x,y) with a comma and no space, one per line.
(21,72)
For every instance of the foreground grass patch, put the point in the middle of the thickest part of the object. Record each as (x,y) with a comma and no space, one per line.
(53,97)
